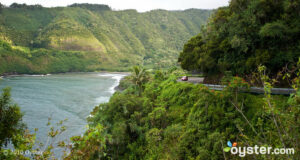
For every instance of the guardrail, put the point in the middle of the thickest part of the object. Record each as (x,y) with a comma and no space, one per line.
(256,90)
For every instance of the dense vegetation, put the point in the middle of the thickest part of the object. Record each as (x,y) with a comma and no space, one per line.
(12,129)
(158,117)
(15,59)
(86,37)
(244,35)
(10,119)
(161,118)
(16,141)
(166,119)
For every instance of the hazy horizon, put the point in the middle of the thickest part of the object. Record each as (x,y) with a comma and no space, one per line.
(141,6)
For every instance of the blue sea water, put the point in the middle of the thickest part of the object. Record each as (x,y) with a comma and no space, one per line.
(70,96)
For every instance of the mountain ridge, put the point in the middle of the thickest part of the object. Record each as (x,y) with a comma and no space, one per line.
(118,38)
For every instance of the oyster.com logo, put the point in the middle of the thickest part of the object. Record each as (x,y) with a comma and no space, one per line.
(230,145)
(243,151)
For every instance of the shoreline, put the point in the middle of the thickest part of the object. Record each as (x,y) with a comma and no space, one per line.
(58,73)
(118,88)
(115,88)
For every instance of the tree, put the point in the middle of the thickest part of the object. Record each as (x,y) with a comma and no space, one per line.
(139,76)
(92,7)
(16,5)
(90,146)
(10,119)
(244,35)
(190,54)
(1,7)
(13,130)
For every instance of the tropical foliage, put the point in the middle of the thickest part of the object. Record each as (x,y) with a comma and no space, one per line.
(177,120)
(244,35)
(10,119)
(156,116)
(139,77)
(12,130)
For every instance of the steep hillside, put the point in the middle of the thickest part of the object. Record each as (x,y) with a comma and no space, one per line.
(244,35)
(105,39)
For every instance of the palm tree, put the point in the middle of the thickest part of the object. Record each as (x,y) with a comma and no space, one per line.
(139,77)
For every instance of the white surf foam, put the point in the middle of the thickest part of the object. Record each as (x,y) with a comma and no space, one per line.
(116,77)
(102,100)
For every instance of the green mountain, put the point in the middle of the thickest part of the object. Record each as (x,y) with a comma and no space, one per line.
(85,37)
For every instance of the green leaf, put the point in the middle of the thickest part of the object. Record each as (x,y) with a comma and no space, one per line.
(227,149)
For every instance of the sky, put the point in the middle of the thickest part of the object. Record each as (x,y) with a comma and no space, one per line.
(140,5)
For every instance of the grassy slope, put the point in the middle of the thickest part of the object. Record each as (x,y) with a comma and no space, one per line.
(109,40)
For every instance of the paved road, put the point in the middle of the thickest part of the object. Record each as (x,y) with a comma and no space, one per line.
(256,90)
(193,80)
